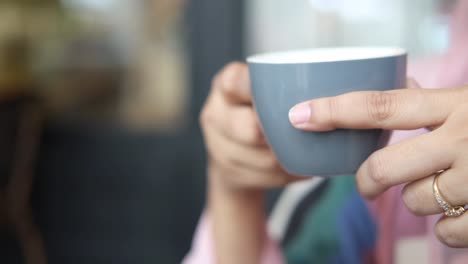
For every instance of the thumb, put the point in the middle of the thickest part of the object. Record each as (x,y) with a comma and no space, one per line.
(234,83)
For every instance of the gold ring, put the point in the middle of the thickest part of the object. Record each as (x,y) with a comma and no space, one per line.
(448,208)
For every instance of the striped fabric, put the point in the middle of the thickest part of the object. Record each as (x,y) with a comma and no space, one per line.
(336,226)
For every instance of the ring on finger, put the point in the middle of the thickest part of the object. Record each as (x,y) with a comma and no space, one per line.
(449,210)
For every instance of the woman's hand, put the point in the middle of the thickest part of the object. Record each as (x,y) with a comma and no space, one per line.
(414,161)
(238,154)
(241,166)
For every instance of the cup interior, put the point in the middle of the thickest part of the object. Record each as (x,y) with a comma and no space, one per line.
(325,55)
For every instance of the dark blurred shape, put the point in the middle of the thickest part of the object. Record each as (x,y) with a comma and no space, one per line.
(104,191)
(10,111)
(109,195)
(89,80)
(15,83)
(9,116)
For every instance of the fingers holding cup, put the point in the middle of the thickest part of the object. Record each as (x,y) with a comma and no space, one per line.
(233,82)
(404,162)
(229,106)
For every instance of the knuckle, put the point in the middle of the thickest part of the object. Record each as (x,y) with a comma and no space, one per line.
(381,106)
(253,134)
(377,170)
(231,76)
(456,126)
(247,126)
(270,162)
(413,201)
(333,108)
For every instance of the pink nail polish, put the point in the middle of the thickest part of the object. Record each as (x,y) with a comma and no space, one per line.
(300,114)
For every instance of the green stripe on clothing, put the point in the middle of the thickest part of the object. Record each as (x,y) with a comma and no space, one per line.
(317,240)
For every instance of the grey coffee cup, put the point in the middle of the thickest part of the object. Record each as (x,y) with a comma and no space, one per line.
(282,80)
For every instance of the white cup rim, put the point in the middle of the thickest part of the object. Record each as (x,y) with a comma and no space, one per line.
(332,54)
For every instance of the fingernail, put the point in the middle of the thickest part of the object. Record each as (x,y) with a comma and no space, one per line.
(300,114)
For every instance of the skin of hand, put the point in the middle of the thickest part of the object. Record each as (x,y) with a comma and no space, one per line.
(241,167)
(412,162)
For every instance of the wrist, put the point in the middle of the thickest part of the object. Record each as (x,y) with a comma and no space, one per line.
(239,219)
(219,184)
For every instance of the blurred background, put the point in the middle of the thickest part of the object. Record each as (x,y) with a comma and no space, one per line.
(101,157)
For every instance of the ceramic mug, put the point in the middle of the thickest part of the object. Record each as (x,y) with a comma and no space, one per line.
(283,79)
